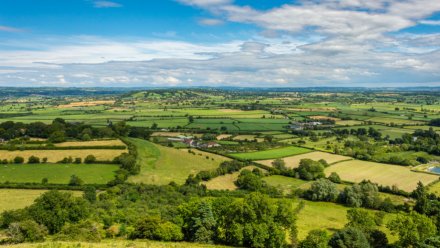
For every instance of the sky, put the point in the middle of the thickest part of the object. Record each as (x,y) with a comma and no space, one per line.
(246,43)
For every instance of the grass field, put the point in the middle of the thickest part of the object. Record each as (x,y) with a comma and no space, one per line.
(57,173)
(92,143)
(293,161)
(19,198)
(225,182)
(435,188)
(162,165)
(286,184)
(328,216)
(402,177)
(271,154)
(54,156)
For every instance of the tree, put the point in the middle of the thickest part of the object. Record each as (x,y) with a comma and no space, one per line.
(315,239)
(26,231)
(322,190)
(75,181)
(248,180)
(90,159)
(84,231)
(279,164)
(57,137)
(310,170)
(334,177)
(90,194)
(412,228)
(349,237)
(33,160)
(156,229)
(53,209)
(360,219)
(18,160)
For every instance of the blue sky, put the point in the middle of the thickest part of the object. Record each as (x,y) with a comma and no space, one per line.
(220,43)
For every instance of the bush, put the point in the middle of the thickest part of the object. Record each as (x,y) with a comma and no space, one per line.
(78,160)
(156,229)
(33,160)
(75,181)
(90,159)
(86,231)
(315,239)
(322,190)
(334,177)
(349,238)
(310,170)
(26,231)
(18,160)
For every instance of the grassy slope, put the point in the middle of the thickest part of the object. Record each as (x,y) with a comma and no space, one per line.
(57,173)
(19,198)
(271,154)
(161,165)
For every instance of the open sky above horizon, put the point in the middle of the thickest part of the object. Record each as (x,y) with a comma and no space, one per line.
(248,43)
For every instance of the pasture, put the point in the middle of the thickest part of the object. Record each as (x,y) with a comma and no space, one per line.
(293,161)
(271,154)
(54,156)
(383,174)
(162,165)
(57,173)
(286,184)
(11,199)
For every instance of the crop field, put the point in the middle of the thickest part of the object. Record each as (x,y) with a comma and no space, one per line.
(57,173)
(54,156)
(271,154)
(293,161)
(383,174)
(162,165)
(11,199)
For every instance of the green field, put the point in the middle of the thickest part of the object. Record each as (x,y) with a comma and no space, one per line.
(162,165)
(57,173)
(271,154)
(19,198)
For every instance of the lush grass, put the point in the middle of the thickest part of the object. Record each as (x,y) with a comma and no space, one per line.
(162,165)
(57,173)
(384,174)
(286,184)
(225,182)
(19,198)
(271,154)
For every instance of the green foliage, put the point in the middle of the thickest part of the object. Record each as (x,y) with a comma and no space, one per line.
(84,231)
(349,237)
(412,229)
(156,229)
(53,209)
(18,160)
(90,194)
(25,231)
(315,239)
(33,160)
(90,159)
(361,219)
(310,170)
(75,181)
(279,164)
(322,190)
(334,177)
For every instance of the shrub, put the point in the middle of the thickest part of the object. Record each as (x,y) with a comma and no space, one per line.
(75,181)
(90,159)
(322,190)
(33,160)
(18,160)
(157,229)
(334,177)
(85,231)
(26,231)
(78,160)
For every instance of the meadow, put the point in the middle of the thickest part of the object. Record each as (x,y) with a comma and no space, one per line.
(271,154)
(57,173)
(162,165)
(383,174)
(226,182)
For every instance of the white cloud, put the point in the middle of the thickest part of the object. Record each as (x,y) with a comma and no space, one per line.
(10,29)
(430,22)
(210,22)
(106,4)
